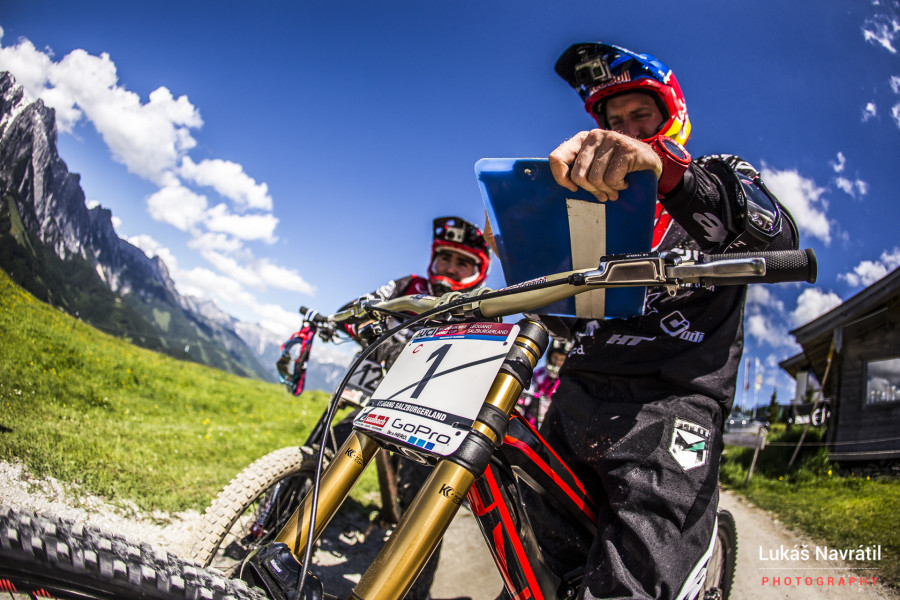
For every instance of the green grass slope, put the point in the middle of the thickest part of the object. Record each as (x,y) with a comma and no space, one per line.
(127,423)
(836,505)
(151,319)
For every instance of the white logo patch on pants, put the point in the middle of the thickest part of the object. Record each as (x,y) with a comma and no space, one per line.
(690,444)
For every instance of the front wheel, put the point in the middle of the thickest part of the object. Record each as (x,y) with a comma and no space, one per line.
(251,510)
(50,557)
(720,573)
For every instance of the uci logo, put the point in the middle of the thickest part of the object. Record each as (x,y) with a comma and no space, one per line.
(447,492)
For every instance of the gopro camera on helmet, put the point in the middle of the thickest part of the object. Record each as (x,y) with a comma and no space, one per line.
(454,234)
(458,235)
(592,70)
(599,71)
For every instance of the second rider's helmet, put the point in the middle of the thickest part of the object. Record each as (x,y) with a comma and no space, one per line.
(458,235)
(599,71)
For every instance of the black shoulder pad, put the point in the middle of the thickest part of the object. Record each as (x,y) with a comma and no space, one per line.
(753,214)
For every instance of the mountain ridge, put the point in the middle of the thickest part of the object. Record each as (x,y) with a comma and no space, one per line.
(52,243)
(70,256)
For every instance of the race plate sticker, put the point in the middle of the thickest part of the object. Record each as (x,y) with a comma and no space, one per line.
(431,396)
(366,377)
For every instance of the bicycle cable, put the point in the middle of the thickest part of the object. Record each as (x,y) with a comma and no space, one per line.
(333,403)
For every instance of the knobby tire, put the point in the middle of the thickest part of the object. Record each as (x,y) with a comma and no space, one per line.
(282,477)
(720,574)
(47,556)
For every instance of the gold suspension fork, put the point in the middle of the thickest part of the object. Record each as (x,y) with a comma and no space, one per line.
(424,523)
(337,481)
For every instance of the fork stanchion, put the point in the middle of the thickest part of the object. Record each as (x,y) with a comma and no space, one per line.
(417,535)
(338,479)
(424,523)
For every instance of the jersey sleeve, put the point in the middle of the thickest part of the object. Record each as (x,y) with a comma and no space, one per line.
(724,206)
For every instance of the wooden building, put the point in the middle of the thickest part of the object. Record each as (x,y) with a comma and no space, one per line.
(854,352)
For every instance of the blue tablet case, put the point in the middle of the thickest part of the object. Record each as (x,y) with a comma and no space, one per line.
(541,228)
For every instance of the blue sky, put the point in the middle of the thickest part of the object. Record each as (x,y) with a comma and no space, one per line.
(288,153)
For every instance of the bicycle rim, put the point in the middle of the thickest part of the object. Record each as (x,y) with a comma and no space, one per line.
(720,573)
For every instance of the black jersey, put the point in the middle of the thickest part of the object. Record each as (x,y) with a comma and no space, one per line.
(691,343)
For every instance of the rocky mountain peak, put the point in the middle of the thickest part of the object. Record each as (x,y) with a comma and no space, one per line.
(37,189)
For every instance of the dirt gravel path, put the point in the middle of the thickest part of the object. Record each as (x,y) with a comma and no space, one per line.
(763,574)
(466,567)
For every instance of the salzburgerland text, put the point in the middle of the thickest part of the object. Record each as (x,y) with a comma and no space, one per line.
(434,415)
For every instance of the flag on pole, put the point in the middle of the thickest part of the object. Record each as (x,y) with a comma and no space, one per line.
(759,377)
(746,373)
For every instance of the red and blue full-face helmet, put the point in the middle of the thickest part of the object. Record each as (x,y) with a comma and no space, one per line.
(600,71)
(453,234)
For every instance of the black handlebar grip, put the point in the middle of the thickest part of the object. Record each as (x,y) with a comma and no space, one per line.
(317,318)
(781,265)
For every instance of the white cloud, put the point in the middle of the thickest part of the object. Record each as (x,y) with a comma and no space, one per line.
(882,30)
(839,164)
(219,242)
(245,227)
(204,283)
(228,179)
(765,317)
(152,138)
(869,112)
(259,273)
(177,206)
(764,329)
(803,199)
(151,248)
(760,296)
(895,114)
(852,188)
(849,186)
(812,303)
(868,272)
(148,138)
(226,291)
(895,84)
(31,68)
(284,322)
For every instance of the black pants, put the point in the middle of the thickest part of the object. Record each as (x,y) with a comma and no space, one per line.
(650,460)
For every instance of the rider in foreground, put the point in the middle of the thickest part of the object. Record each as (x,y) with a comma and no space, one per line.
(460,261)
(638,413)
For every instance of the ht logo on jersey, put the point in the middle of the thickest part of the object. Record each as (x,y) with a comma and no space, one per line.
(676,325)
(628,340)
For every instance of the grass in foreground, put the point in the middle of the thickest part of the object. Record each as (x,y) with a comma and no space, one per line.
(838,507)
(128,424)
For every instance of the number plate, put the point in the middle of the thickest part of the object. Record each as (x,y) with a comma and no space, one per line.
(431,396)
(366,377)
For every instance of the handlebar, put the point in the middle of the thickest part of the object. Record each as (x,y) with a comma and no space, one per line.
(313,315)
(781,266)
(672,270)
